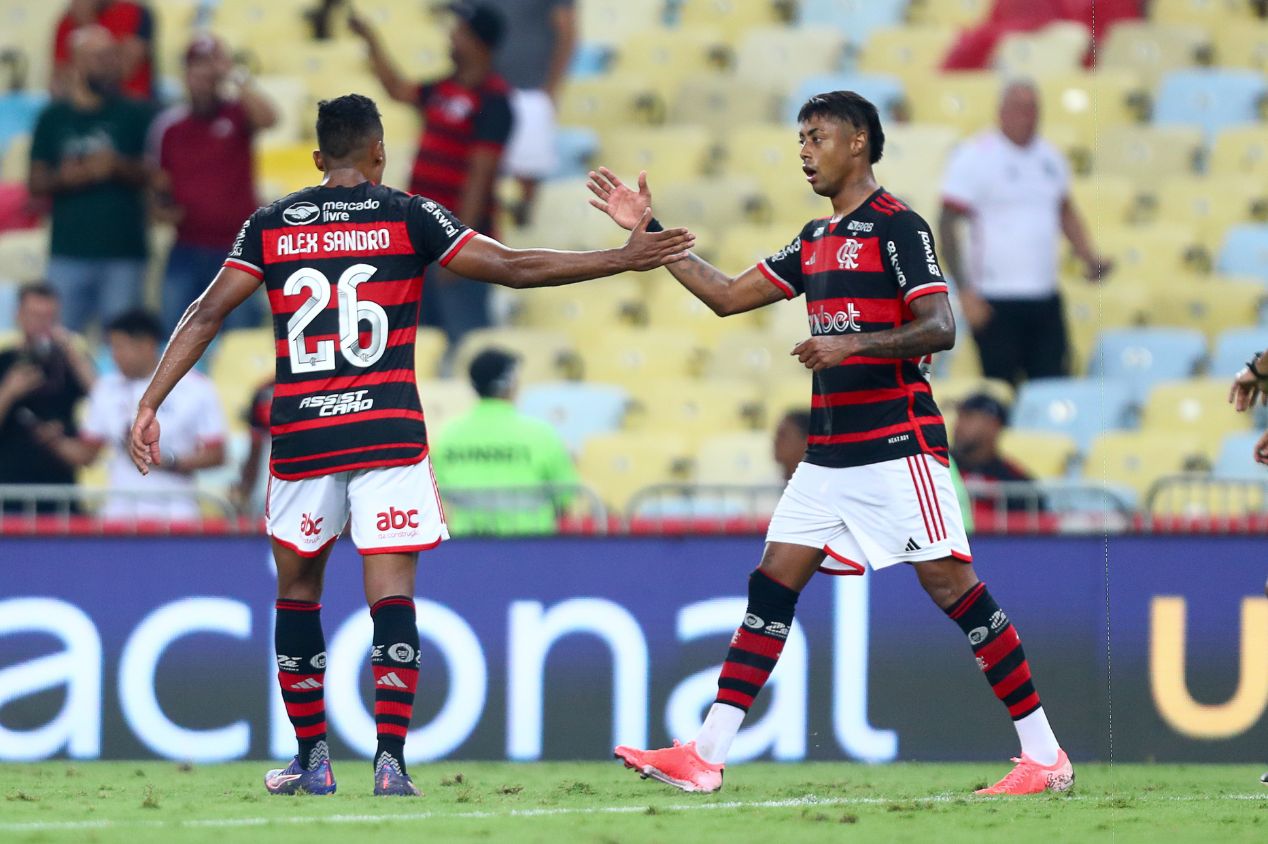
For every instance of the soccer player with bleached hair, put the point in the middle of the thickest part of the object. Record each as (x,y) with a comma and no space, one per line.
(875,486)
(343,263)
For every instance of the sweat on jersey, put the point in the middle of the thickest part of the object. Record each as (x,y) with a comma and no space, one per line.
(860,273)
(343,267)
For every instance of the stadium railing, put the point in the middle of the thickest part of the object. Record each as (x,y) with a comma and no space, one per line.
(61,509)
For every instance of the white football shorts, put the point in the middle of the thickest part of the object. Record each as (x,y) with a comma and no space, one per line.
(898,511)
(395,510)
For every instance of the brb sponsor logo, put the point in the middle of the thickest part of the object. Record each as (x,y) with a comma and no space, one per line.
(823,322)
(338,404)
(848,254)
(310,527)
(396,520)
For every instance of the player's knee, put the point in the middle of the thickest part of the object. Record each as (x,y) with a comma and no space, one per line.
(945,580)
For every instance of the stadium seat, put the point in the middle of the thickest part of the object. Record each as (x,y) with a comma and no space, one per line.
(769,154)
(324,64)
(630,355)
(1153,49)
(951,392)
(429,351)
(743,246)
(1236,460)
(576,148)
(1090,102)
(1143,357)
(956,13)
(1043,455)
(1135,460)
(1234,347)
(243,360)
(18,113)
(1081,408)
(857,19)
(709,204)
(602,101)
(15,160)
(885,91)
(915,156)
(577,411)
(692,408)
(443,400)
(545,355)
(967,100)
(286,169)
(668,306)
(610,21)
(1197,405)
(1207,13)
(912,53)
(1242,44)
(668,153)
(1245,252)
(581,309)
(289,95)
(23,255)
(1214,98)
(1141,153)
(786,55)
(564,219)
(723,103)
(1240,151)
(1108,201)
(758,356)
(1208,205)
(733,18)
(1057,48)
(1145,253)
(741,458)
(618,465)
(665,57)
(1209,305)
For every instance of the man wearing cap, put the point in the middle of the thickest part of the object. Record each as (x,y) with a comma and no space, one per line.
(501,472)
(466,123)
(206,179)
(975,447)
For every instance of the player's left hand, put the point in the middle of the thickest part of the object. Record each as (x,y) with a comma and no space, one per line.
(143,443)
(1261,456)
(820,353)
(1246,390)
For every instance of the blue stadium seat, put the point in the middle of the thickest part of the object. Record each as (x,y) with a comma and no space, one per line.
(577,411)
(886,91)
(1143,357)
(1079,407)
(18,112)
(575,147)
(856,18)
(1234,347)
(1209,97)
(589,60)
(1245,252)
(1236,461)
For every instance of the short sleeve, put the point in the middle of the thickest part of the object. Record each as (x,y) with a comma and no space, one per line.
(436,233)
(493,123)
(247,253)
(98,420)
(209,425)
(961,184)
(783,269)
(913,260)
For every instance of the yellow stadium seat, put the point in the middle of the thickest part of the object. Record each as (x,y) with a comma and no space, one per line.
(617,100)
(628,355)
(789,55)
(1137,459)
(787,206)
(1242,44)
(669,306)
(15,160)
(696,409)
(1158,251)
(1152,49)
(723,102)
(786,320)
(286,169)
(757,356)
(967,100)
(1208,305)
(743,246)
(1240,151)
(1042,454)
(737,459)
(1198,406)
(665,57)
(616,466)
(786,395)
(429,351)
(770,154)
(24,255)
(915,158)
(545,355)
(581,309)
(912,53)
(955,13)
(951,392)
(1208,205)
(610,21)
(1147,153)
(1057,48)
(1207,13)
(445,399)
(289,95)
(564,219)
(244,359)
(1106,202)
(733,18)
(326,61)
(709,203)
(667,153)
(1093,308)
(1092,102)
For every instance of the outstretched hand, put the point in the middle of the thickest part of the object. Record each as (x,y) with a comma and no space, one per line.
(1246,390)
(143,443)
(617,200)
(648,250)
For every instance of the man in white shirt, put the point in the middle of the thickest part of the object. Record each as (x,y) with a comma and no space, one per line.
(192,419)
(1013,187)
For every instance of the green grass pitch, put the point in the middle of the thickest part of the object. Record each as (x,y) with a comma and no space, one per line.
(574,802)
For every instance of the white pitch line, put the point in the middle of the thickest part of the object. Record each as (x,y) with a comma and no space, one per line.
(792,803)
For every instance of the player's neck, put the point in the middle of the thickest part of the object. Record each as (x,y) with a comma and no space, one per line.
(344,177)
(854,193)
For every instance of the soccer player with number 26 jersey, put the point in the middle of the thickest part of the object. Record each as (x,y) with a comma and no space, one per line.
(874,487)
(343,264)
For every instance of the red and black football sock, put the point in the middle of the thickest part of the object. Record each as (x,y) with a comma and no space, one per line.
(998,650)
(757,644)
(301,672)
(395,661)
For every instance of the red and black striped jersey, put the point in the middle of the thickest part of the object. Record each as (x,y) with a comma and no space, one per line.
(343,267)
(861,273)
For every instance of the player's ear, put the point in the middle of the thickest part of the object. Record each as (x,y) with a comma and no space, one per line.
(319,160)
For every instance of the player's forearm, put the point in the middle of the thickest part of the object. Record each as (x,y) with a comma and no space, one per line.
(706,282)
(193,335)
(526,268)
(925,336)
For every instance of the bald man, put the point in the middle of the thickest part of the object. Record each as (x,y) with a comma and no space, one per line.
(1013,188)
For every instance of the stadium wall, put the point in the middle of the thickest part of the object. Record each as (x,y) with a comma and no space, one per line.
(558,648)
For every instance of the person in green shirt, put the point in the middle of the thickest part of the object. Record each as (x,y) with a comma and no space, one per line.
(501,472)
(87,159)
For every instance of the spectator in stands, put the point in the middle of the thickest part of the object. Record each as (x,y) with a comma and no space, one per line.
(535,63)
(86,157)
(205,182)
(467,121)
(790,441)
(41,381)
(1013,187)
(501,472)
(192,420)
(131,24)
(975,450)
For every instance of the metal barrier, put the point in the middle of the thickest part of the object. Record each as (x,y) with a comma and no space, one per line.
(60,509)
(1228,501)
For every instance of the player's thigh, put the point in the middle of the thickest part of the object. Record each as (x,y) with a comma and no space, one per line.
(308,514)
(396,510)
(802,528)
